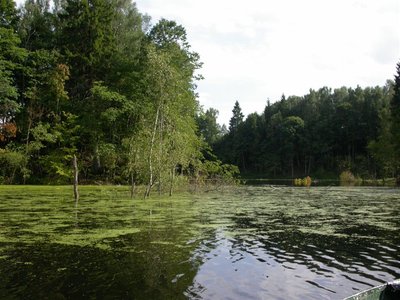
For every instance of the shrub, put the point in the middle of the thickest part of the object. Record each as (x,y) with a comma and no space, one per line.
(346,177)
(306,181)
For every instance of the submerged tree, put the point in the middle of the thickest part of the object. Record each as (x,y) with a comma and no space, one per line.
(170,88)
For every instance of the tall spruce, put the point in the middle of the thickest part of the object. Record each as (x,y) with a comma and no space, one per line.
(237,118)
(395,117)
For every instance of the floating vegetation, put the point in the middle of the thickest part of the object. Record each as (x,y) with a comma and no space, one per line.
(306,181)
(333,237)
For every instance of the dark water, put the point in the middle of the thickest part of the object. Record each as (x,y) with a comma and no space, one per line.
(253,242)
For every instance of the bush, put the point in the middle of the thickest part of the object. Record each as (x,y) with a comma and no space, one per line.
(217,172)
(346,177)
(12,163)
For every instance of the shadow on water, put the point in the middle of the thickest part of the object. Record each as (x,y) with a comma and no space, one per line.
(253,242)
(56,271)
(100,249)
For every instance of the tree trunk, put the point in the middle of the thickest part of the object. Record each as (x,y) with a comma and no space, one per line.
(292,167)
(97,164)
(76,192)
(160,154)
(147,193)
(159,186)
(305,165)
(133,185)
(243,162)
(171,186)
(27,142)
(28,135)
(13,175)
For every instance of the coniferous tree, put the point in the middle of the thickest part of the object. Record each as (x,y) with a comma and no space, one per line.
(395,118)
(93,78)
(237,118)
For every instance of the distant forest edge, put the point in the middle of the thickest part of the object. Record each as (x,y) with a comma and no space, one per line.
(96,79)
(323,134)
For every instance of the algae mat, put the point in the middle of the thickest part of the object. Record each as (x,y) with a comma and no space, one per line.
(253,242)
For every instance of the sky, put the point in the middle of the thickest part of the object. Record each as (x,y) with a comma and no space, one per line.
(257,50)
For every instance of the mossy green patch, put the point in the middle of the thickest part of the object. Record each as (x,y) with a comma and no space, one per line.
(33,214)
(112,238)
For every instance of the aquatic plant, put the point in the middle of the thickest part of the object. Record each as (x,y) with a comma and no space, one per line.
(306,181)
(346,178)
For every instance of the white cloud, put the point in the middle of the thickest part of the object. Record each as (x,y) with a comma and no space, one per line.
(259,49)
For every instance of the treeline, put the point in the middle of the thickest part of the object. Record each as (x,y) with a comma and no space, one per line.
(94,78)
(321,134)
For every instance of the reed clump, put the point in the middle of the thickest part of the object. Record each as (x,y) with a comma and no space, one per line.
(306,181)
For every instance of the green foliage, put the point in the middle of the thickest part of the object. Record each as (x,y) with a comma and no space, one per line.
(11,57)
(395,125)
(57,161)
(237,118)
(135,153)
(108,156)
(12,164)
(8,93)
(382,149)
(170,127)
(208,127)
(94,79)
(217,171)
(170,37)
(91,81)
(347,178)
(8,14)
(315,134)
(37,25)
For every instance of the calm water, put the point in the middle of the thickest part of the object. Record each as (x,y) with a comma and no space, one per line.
(257,242)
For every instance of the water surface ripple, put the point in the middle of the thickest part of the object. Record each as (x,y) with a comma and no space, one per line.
(252,242)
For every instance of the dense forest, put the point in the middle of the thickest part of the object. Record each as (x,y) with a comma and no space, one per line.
(322,134)
(96,79)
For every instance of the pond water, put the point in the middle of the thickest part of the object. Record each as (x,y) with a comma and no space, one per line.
(250,242)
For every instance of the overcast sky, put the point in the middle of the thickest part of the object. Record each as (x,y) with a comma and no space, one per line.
(257,50)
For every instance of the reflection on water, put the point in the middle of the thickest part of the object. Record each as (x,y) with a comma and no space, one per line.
(258,242)
(288,243)
(257,268)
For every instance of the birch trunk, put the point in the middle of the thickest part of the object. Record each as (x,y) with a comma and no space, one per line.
(133,185)
(153,137)
(171,186)
(76,192)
